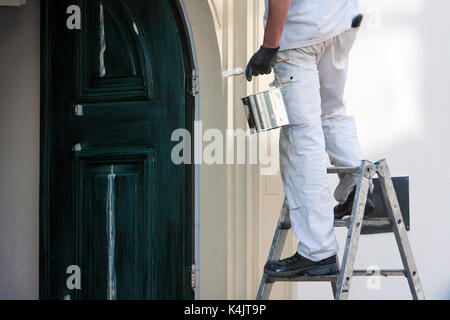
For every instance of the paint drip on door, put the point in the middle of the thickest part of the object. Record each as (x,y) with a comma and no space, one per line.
(111,236)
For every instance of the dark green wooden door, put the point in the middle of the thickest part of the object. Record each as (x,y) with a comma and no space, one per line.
(112,202)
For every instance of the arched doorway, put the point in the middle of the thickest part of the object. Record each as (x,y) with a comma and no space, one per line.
(116,213)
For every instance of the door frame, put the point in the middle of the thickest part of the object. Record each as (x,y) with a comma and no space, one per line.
(192,114)
(195,85)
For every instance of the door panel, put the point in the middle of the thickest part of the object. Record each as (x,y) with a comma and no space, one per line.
(114,204)
(116,190)
(112,54)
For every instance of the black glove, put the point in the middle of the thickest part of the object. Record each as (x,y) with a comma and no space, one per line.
(261,62)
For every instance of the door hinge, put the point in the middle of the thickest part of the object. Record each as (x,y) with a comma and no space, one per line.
(195,85)
(194,277)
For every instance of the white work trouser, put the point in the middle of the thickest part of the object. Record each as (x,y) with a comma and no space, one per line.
(313,81)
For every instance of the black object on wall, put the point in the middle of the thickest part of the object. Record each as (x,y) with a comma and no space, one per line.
(401,186)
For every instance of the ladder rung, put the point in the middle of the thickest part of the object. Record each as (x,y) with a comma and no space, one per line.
(343,170)
(371,222)
(305,278)
(383,273)
(333,278)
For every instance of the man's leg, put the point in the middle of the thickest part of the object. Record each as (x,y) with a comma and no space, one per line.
(339,128)
(303,158)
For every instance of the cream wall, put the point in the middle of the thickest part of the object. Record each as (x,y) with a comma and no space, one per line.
(238,207)
(254,200)
(213,179)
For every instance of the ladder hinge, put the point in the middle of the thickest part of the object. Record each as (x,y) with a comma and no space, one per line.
(194,277)
(195,85)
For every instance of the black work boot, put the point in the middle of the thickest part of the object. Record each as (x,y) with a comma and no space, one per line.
(345,209)
(299,266)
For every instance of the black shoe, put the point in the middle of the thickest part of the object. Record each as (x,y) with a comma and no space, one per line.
(299,266)
(345,209)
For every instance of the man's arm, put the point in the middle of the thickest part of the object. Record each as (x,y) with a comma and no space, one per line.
(263,61)
(278,12)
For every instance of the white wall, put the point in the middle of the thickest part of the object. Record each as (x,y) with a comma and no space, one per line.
(398,90)
(19,151)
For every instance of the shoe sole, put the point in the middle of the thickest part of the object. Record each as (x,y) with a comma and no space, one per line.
(326,270)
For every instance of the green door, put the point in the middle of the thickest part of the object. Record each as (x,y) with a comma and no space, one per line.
(116,213)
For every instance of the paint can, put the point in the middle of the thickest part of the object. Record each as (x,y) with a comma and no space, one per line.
(265,111)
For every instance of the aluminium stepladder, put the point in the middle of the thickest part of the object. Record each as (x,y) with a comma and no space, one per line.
(340,282)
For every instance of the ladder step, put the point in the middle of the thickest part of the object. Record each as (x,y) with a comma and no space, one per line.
(333,278)
(370,222)
(383,273)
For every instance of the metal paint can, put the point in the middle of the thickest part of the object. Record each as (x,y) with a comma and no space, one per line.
(265,111)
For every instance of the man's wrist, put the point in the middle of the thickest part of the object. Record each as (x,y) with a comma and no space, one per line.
(270,44)
(271,50)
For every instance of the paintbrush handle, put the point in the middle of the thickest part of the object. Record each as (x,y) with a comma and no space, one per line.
(241,70)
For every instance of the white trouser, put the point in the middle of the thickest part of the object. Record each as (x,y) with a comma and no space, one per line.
(313,81)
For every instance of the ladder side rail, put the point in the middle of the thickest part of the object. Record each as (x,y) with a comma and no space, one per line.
(334,287)
(276,249)
(390,198)
(354,232)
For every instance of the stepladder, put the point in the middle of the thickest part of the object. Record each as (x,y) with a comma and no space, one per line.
(341,281)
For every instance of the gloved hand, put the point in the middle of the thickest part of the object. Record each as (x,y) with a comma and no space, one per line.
(261,62)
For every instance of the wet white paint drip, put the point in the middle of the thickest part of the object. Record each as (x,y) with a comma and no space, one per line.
(77,147)
(135,28)
(102,68)
(79,110)
(111,234)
